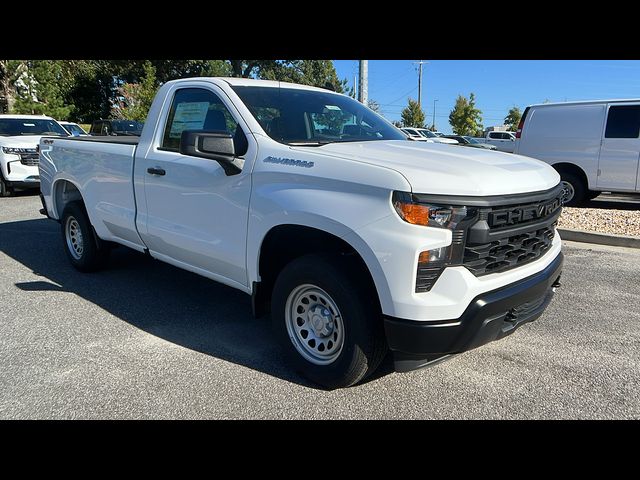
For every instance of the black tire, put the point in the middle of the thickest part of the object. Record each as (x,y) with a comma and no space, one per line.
(364,344)
(94,253)
(5,190)
(578,186)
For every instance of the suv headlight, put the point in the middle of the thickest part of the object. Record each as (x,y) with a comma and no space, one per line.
(18,151)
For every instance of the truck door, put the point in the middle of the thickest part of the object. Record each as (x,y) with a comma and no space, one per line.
(196,215)
(620,151)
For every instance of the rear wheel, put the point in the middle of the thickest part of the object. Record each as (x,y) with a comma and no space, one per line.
(324,318)
(85,250)
(574,189)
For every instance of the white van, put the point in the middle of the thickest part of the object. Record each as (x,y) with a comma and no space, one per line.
(594,145)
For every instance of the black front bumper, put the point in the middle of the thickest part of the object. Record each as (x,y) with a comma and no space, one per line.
(490,316)
(23,185)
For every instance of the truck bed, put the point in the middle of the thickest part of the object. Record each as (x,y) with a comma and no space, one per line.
(102,167)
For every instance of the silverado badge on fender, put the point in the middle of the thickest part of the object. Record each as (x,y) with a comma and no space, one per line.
(288,161)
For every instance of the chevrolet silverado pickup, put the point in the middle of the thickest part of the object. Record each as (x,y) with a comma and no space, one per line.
(354,240)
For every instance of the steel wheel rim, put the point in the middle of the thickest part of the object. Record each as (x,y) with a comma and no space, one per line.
(567,191)
(314,324)
(75,241)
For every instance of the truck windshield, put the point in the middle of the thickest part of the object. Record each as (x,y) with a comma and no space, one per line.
(10,127)
(307,117)
(74,129)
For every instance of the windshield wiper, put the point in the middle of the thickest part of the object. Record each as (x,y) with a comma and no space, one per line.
(310,144)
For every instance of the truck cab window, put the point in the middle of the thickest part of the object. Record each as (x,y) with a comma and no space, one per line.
(200,109)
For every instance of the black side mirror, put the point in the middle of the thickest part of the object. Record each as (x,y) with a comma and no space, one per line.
(214,145)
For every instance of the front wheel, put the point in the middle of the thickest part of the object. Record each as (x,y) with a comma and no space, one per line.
(85,250)
(5,190)
(326,321)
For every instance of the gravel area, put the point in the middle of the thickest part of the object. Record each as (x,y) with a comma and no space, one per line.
(617,222)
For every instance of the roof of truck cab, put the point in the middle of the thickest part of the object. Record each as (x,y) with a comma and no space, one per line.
(250,82)
(586,102)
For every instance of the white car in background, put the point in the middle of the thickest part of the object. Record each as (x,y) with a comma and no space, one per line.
(435,138)
(19,137)
(414,134)
(74,129)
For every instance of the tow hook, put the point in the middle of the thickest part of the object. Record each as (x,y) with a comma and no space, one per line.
(556,285)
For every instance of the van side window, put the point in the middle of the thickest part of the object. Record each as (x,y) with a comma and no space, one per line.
(199,109)
(623,122)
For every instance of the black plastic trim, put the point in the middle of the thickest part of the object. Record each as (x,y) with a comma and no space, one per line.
(123,139)
(487,318)
(488,201)
(481,233)
(43,210)
(19,184)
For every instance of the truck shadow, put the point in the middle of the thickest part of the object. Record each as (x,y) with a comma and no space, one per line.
(172,304)
(606,202)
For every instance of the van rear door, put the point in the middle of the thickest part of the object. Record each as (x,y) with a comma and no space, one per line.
(620,152)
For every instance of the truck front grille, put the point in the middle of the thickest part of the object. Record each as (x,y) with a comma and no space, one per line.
(29,159)
(509,252)
(503,237)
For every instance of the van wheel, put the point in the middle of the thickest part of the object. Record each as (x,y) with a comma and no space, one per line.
(5,190)
(574,190)
(325,320)
(85,250)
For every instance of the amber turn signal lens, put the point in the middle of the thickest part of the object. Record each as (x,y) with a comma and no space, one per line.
(413,213)
(423,257)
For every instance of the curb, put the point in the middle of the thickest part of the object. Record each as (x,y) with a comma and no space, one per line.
(599,238)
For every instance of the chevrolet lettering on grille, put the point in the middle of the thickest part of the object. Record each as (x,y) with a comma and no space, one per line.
(523,214)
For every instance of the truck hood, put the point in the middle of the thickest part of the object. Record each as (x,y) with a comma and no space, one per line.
(452,169)
(21,141)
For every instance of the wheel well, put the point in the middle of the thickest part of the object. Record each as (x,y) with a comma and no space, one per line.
(65,192)
(571,168)
(284,243)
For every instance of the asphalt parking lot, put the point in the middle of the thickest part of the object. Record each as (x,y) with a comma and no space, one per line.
(146,340)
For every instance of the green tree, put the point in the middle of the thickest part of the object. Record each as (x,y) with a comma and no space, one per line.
(465,118)
(135,99)
(317,73)
(8,69)
(512,120)
(412,115)
(375,106)
(40,89)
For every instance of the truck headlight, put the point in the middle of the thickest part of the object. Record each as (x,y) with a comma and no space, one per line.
(18,151)
(431,263)
(429,215)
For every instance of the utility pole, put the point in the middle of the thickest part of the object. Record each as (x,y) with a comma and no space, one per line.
(355,86)
(363,89)
(433,123)
(420,63)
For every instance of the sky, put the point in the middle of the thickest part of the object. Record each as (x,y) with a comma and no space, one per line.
(498,85)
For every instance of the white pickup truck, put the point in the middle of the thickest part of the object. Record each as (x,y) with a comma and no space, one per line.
(355,240)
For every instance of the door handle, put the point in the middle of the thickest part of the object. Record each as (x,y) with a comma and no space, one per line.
(156,171)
